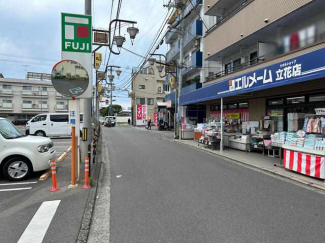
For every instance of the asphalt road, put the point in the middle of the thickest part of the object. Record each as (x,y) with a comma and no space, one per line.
(163,191)
(18,208)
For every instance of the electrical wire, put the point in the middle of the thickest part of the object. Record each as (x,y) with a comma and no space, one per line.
(199,14)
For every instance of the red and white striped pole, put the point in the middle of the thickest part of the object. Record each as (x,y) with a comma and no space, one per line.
(54,187)
(86,185)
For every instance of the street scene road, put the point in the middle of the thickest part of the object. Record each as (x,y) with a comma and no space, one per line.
(163,191)
(174,121)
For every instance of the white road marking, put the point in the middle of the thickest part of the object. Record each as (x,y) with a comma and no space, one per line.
(39,224)
(18,183)
(16,189)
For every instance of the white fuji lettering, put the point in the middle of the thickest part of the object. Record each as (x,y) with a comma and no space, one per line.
(67,44)
(75,45)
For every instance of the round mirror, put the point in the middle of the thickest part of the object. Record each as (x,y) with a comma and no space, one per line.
(70,78)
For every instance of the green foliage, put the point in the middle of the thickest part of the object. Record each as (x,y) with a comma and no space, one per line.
(115,109)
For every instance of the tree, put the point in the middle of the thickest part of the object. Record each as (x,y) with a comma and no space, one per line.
(115,109)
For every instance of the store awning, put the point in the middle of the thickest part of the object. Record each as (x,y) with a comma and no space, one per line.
(161,104)
(306,67)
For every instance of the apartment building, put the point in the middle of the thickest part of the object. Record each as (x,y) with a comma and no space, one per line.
(21,99)
(272,59)
(147,93)
(185,36)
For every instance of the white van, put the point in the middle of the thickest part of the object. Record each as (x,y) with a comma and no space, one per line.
(20,156)
(51,125)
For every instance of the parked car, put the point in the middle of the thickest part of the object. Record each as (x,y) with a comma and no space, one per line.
(110,121)
(51,125)
(20,155)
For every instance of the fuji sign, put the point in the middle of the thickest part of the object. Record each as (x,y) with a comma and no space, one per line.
(76,33)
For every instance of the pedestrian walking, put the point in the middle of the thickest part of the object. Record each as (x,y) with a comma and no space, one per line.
(149,124)
(129,121)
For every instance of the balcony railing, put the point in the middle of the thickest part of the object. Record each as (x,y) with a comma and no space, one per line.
(195,62)
(6,91)
(61,107)
(6,106)
(237,8)
(195,29)
(235,68)
(189,6)
(172,53)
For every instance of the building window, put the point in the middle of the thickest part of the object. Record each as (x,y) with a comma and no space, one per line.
(142,87)
(232,106)
(214,107)
(160,90)
(27,90)
(44,89)
(60,105)
(316,98)
(151,101)
(296,100)
(140,101)
(7,86)
(27,104)
(7,103)
(276,102)
(243,105)
(228,68)
(43,104)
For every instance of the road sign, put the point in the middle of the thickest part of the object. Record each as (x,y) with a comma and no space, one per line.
(106,102)
(98,60)
(76,33)
(100,37)
(70,78)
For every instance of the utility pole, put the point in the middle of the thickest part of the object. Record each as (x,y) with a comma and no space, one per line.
(87,114)
(180,78)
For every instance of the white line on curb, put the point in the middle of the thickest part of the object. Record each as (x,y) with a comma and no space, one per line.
(16,189)
(18,183)
(39,224)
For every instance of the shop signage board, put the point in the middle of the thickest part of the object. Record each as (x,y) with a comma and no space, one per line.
(76,43)
(156,118)
(233,116)
(141,115)
(98,60)
(169,104)
(306,67)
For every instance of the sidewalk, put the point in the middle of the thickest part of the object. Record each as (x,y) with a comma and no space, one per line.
(257,160)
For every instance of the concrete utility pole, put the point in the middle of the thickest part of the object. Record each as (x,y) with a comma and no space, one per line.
(87,114)
(180,78)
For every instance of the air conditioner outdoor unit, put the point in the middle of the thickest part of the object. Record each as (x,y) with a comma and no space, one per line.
(197,42)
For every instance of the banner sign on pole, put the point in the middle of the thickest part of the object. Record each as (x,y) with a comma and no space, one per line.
(98,60)
(141,115)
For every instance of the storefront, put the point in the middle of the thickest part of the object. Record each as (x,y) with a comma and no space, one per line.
(279,108)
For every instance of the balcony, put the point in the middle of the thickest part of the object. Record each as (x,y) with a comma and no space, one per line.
(195,30)
(229,14)
(219,7)
(191,88)
(173,53)
(188,10)
(61,107)
(196,63)
(6,107)
(35,107)
(257,21)
(171,36)
(6,92)
(27,92)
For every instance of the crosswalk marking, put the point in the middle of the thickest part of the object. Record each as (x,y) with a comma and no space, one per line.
(15,189)
(39,224)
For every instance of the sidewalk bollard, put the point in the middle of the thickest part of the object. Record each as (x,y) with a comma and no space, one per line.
(54,187)
(86,185)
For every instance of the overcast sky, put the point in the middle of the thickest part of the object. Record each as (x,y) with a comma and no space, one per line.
(31,34)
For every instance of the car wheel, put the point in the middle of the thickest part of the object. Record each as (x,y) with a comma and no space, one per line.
(40,134)
(17,168)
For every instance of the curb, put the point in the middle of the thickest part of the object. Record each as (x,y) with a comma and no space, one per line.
(88,213)
(292,179)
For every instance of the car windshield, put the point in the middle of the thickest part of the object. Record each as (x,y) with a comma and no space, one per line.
(8,131)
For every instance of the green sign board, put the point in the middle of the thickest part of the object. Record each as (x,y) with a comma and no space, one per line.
(76,33)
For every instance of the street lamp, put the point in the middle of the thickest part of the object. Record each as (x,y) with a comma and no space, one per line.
(161,65)
(118,72)
(119,40)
